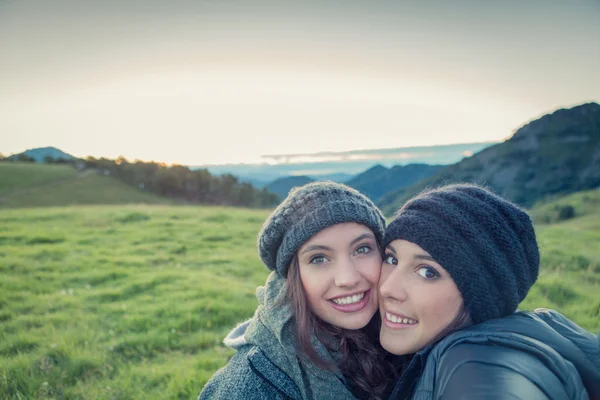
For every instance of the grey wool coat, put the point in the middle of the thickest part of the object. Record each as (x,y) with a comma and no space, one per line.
(525,356)
(265,365)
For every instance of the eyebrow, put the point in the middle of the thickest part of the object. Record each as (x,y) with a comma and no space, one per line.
(316,247)
(325,248)
(425,257)
(362,237)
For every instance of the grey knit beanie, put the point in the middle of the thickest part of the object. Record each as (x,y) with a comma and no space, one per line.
(485,242)
(306,211)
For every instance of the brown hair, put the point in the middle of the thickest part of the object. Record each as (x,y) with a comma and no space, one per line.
(363,362)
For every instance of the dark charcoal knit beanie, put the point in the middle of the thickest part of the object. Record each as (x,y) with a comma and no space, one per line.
(306,211)
(485,242)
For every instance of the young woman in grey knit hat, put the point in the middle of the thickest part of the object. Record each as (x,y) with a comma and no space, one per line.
(314,334)
(458,261)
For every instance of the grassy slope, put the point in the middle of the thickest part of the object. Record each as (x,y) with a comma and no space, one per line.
(35,185)
(585,203)
(122,302)
(16,176)
(570,277)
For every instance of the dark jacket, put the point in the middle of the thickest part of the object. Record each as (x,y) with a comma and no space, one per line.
(266,365)
(527,355)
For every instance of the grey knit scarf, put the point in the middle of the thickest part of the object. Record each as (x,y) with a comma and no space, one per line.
(272,330)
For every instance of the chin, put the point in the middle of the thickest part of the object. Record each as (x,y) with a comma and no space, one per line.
(354,322)
(357,323)
(390,348)
(395,345)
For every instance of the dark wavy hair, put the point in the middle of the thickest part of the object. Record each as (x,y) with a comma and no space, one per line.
(363,362)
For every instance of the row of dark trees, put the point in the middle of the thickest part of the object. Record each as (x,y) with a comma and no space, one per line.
(180,182)
(22,157)
(18,158)
(176,181)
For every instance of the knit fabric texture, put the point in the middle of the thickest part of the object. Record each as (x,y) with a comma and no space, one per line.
(275,371)
(307,210)
(486,243)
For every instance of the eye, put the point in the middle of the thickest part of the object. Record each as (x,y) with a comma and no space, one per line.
(364,249)
(428,272)
(318,260)
(390,259)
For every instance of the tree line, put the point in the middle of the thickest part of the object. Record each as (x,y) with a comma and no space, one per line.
(17,158)
(174,181)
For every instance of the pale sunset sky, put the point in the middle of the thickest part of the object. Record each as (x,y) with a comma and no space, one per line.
(227,81)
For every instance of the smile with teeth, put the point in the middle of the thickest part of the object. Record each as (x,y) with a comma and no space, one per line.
(399,320)
(349,299)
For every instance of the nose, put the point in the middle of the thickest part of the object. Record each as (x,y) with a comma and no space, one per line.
(347,275)
(392,284)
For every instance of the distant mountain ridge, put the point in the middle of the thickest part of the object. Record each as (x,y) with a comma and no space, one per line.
(558,153)
(329,165)
(282,186)
(373,183)
(339,177)
(379,180)
(40,153)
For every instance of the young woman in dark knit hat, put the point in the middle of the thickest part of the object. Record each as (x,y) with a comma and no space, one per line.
(314,334)
(458,261)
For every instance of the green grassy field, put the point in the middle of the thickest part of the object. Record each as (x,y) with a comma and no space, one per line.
(130,302)
(570,250)
(40,185)
(121,302)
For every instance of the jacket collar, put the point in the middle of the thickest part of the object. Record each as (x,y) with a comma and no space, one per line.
(545,331)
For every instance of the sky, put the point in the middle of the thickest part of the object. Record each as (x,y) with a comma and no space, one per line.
(238,81)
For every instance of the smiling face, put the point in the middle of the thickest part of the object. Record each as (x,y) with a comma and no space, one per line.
(339,269)
(417,298)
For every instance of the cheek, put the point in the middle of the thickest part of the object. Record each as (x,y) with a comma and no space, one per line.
(438,306)
(370,269)
(314,284)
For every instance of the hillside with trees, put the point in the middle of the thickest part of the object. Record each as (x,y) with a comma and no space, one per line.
(181,183)
(39,185)
(70,182)
(557,154)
